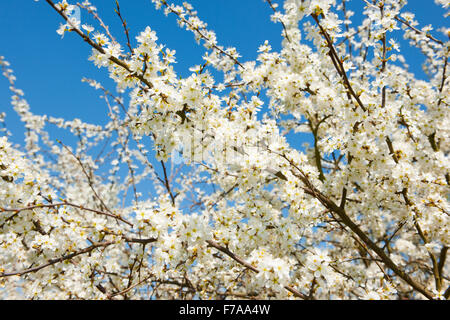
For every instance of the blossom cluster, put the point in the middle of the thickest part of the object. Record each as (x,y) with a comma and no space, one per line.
(361,213)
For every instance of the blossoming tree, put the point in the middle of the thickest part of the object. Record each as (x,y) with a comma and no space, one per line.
(361,213)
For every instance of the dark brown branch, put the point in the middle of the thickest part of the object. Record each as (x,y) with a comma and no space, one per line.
(418,31)
(129,288)
(54,261)
(338,63)
(346,220)
(442,258)
(252,268)
(281,21)
(203,36)
(167,183)
(125,27)
(115,60)
(391,149)
(65,203)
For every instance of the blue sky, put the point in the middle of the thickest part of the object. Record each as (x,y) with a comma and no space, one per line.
(49,69)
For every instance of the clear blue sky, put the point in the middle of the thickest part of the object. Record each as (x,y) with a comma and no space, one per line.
(49,69)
